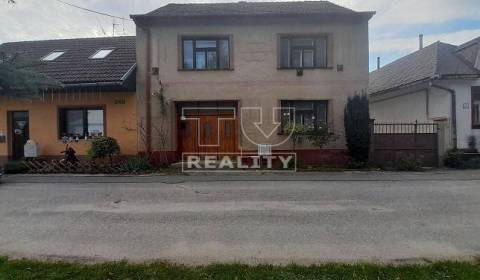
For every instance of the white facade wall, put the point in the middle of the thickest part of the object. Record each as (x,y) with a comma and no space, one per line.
(405,106)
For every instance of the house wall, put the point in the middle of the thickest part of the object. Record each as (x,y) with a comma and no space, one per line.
(410,105)
(43,116)
(255,80)
(463,91)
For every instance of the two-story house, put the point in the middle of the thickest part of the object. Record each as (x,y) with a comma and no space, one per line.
(218,75)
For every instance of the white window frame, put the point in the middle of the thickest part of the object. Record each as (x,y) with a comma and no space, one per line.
(60,53)
(110,51)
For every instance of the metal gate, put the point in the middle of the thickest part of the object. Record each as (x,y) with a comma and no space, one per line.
(409,141)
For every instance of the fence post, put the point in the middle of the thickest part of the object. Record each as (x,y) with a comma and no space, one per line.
(372,141)
(415,140)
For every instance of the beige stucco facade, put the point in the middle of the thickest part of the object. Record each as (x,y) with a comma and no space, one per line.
(254,80)
(119,111)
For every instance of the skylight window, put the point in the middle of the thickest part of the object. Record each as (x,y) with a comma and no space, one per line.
(102,53)
(53,55)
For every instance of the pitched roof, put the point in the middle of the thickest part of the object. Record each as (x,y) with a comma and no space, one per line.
(469,43)
(249,9)
(436,60)
(75,65)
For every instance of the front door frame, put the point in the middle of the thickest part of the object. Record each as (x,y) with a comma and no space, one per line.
(11,133)
(179,122)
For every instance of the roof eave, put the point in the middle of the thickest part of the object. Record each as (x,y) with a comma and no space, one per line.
(436,77)
(148,19)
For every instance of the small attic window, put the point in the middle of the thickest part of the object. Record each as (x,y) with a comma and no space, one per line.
(53,55)
(101,53)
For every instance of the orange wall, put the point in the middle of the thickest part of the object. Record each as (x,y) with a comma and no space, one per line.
(120,111)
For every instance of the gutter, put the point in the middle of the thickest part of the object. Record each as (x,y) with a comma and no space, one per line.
(99,84)
(148,89)
(431,84)
(453,109)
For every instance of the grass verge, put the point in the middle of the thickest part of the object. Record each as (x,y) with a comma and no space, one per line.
(25,269)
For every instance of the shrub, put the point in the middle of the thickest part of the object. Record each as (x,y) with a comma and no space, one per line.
(321,137)
(471,163)
(357,128)
(103,147)
(15,167)
(139,164)
(296,131)
(409,164)
(452,159)
(472,144)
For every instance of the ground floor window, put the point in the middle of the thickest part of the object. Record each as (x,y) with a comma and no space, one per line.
(81,122)
(476,107)
(312,114)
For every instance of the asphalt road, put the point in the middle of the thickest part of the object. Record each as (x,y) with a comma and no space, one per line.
(303,218)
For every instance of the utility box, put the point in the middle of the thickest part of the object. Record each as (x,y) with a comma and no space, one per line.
(30,149)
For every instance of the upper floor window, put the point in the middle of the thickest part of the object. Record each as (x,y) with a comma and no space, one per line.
(476,107)
(102,53)
(303,52)
(206,53)
(53,55)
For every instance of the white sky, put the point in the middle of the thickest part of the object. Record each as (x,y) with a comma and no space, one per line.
(393,30)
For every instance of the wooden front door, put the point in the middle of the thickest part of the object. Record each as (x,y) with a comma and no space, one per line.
(19,124)
(209,131)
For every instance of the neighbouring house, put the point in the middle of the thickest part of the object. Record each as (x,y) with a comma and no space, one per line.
(218,73)
(436,84)
(97,96)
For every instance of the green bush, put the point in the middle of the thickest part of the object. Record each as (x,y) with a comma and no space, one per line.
(357,128)
(471,163)
(103,147)
(15,167)
(472,144)
(453,159)
(139,164)
(409,164)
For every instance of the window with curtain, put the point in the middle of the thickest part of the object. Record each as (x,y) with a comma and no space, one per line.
(303,52)
(81,122)
(206,54)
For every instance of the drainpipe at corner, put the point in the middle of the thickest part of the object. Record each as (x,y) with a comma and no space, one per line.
(148,89)
(453,110)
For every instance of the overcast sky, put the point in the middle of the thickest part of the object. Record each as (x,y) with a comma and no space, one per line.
(393,30)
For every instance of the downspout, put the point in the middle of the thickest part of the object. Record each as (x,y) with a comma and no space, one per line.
(148,89)
(453,110)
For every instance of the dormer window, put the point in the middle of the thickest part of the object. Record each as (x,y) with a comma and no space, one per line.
(101,53)
(53,55)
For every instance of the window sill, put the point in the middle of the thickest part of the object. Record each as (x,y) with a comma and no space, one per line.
(311,68)
(204,70)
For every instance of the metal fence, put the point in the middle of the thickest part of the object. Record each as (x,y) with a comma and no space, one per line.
(405,128)
(393,142)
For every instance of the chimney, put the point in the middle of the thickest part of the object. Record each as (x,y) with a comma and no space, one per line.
(420,41)
(378,63)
